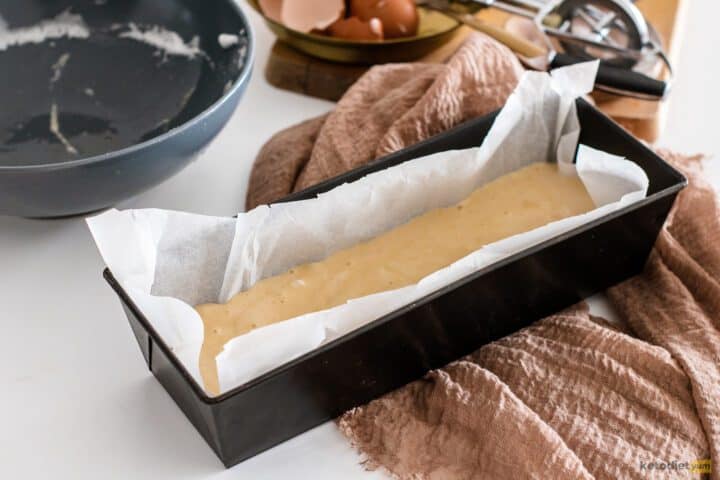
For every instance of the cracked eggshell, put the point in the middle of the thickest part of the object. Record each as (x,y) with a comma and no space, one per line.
(307,15)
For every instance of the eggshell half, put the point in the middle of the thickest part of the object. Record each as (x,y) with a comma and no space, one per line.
(308,15)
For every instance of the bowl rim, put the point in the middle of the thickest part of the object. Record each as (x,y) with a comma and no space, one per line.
(200,117)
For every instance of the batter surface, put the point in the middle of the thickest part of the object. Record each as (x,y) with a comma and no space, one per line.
(518,202)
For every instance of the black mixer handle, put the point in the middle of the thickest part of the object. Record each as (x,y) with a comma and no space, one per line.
(619,80)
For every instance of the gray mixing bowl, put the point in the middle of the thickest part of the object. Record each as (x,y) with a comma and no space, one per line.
(103,99)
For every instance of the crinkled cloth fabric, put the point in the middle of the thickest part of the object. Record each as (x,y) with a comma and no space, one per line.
(572,396)
(390,107)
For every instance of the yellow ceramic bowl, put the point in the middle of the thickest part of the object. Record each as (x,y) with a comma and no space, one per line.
(435,29)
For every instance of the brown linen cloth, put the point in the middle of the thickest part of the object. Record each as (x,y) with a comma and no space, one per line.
(389,108)
(571,396)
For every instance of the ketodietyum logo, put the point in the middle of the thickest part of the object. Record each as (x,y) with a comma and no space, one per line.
(694,466)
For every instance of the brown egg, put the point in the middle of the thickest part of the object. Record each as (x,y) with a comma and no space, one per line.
(355,29)
(272,9)
(308,15)
(399,17)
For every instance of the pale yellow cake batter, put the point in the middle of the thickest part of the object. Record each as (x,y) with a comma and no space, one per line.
(518,202)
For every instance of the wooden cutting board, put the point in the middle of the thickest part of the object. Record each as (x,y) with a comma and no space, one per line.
(292,70)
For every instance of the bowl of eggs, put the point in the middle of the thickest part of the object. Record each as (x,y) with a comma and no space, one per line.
(357,31)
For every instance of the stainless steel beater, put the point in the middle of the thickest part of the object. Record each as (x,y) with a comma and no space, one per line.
(613,31)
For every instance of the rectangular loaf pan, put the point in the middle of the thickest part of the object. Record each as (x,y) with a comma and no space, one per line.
(444,326)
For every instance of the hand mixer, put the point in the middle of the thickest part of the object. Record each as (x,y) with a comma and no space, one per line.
(613,31)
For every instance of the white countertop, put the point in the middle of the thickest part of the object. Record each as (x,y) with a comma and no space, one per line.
(76,399)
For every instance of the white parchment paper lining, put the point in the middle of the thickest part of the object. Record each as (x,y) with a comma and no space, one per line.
(168,261)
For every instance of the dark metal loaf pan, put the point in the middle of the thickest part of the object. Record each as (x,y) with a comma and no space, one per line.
(454,321)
